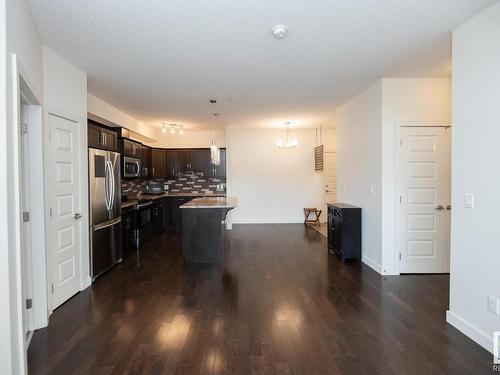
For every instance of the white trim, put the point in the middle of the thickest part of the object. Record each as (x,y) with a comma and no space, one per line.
(372,264)
(469,330)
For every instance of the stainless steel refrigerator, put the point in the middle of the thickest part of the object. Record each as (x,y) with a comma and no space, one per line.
(105,210)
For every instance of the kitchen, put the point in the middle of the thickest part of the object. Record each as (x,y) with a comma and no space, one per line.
(137,191)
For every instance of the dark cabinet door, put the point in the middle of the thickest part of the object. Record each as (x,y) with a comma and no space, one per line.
(110,139)
(158,215)
(158,164)
(171,164)
(197,160)
(145,162)
(131,148)
(182,161)
(102,138)
(168,204)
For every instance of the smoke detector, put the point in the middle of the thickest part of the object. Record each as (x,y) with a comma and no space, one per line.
(280,31)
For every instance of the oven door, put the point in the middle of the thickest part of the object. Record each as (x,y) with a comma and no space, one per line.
(131,167)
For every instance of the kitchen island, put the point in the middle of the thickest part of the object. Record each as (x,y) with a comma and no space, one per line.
(203,228)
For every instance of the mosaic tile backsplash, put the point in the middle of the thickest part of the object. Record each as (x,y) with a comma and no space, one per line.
(188,183)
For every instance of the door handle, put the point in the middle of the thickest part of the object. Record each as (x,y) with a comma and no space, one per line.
(77,216)
(448,207)
(439,208)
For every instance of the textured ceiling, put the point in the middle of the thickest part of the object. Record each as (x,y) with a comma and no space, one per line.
(162,60)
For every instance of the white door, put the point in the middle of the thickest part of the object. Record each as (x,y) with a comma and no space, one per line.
(26,259)
(330,176)
(65,226)
(424,220)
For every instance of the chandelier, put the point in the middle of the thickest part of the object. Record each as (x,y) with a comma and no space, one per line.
(288,143)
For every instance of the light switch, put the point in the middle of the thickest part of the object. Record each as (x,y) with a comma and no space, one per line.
(469,200)
(493,305)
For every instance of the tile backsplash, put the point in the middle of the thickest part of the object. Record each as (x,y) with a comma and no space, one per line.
(187,183)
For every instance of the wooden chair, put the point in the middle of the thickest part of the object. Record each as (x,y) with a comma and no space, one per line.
(316,213)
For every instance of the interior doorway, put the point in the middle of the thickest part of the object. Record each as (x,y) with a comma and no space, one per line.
(423,223)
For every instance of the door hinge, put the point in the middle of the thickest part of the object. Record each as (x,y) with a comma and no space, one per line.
(50,211)
(52,288)
(399,256)
(401,141)
(400,199)
(26,217)
(29,303)
(24,128)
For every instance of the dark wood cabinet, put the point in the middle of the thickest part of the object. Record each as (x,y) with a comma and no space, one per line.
(344,230)
(146,162)
(212,170)
(130,148)
(158,164)
(101,137)
(158,215)
(168,205)
(197,160)
(171,164)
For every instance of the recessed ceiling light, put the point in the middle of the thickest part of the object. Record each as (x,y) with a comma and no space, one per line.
(279,31)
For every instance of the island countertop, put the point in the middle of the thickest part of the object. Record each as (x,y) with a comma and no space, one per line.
(211,202)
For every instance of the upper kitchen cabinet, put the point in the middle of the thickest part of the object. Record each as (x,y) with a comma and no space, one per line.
(158,164)
(171,164)
(212,170)
(146,162)
(197,160)
(102,137)
(130,148)
(192,160)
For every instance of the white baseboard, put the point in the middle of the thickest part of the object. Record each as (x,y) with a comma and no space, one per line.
(470,331)
(372,264)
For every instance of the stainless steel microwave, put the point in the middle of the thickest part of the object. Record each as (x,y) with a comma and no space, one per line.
(131,167)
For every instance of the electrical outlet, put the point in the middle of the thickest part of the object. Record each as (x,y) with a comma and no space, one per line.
(494,305)
(469,200)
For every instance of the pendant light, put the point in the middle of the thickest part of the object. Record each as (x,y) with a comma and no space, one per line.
(288,143)
(214,149)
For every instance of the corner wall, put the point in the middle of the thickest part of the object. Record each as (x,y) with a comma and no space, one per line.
(475,233)
(359,166)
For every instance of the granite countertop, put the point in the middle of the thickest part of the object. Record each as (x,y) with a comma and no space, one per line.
(212,202)
(133,200)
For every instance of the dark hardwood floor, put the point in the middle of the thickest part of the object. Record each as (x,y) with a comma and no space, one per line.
(279,305)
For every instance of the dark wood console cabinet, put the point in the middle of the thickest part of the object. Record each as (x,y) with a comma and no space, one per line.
(344,230)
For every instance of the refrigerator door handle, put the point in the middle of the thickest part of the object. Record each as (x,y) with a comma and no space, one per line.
(106,184)
(107,225)
(112,189)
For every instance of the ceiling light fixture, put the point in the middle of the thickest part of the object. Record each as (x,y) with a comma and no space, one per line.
(163,128)
(280,31)
(181,131)
(288,143)
(172,128)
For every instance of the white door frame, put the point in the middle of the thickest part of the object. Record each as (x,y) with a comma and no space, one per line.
(397,180)
(22,85)
(85,280)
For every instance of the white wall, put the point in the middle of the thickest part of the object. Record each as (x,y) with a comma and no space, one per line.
(359,153)
(23,40)
(408,101)
(190,138)
(475,233)
(65,94)
(272,186)
(100,108)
